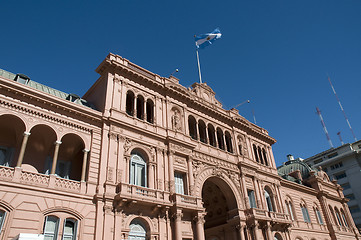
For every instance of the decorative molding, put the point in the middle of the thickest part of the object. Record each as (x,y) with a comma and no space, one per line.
(48,117)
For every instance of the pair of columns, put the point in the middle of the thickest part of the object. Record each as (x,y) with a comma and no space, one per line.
(55,156)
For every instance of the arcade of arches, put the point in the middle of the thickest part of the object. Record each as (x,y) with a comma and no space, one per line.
(39,150)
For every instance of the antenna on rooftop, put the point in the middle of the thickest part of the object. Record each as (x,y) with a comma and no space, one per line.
(324,127)
(339,103)
(254,117)
(177,70)
(339,136)
(247,101)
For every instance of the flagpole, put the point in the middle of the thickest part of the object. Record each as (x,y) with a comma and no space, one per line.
(199,67)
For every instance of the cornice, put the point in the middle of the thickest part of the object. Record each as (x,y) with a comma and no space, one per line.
(52,103)
(168,87)
(23,109)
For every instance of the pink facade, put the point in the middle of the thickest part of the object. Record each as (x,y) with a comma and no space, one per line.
(142,157)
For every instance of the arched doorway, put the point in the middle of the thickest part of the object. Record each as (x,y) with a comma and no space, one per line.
(221,210)
(137,230)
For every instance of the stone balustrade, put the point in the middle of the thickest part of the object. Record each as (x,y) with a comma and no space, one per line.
(18,175)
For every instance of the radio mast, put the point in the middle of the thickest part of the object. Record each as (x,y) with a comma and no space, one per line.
(344,114)
(324,127)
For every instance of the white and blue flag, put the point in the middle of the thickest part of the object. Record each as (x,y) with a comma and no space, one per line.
(207,39)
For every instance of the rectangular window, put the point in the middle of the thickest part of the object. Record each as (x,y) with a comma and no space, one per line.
(317,161)
(340,175)
(333,155)
(350,196)
(179,183)
(252,199)
(345,186)
(354,209)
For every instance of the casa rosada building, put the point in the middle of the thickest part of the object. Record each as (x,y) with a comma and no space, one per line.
(140,156)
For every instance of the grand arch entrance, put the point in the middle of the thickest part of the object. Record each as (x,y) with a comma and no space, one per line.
(221,210)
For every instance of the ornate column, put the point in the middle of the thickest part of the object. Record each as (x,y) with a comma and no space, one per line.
(55,157)
(160,169)
(207,137)
(257,193)
(255,229)
(145,110)
(135,106)
(262,197)
(22,149)
(120,160)
(177,224)
(190,174)
(127,166)
(151,175)
(116,92)
(200,225)
(268,231)
(245,192)
(171,171)
(85,160)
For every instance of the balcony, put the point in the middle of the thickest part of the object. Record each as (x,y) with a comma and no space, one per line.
(18,175)
(187,201)
(265,215)
(142,194)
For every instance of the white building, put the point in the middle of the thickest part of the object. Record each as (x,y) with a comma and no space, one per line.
(344,165)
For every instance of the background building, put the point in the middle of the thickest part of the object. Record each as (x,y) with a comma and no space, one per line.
(140,156)
(344,164)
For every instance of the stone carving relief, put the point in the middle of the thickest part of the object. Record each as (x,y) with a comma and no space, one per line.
(242,146)
(176,120)
(127,144)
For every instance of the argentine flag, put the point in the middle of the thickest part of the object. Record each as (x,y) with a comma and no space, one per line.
(207,39)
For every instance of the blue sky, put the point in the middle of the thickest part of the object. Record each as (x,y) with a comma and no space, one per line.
(275,53)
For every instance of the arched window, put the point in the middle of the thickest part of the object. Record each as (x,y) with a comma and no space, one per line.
(306,216)
(260,155)
(140,107)
(51,227)
(138,170)
(289,208)
(130,103)
(318,215)
(220,138)
(338,217)
(70,230)
(344,217)
(278,236)
(192,125)
(211,135)
(137,230)
(265,157)
(333,215)
(229,142)
(150,111)
(269,200)
(202,131)
(255,153)
(54,228)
